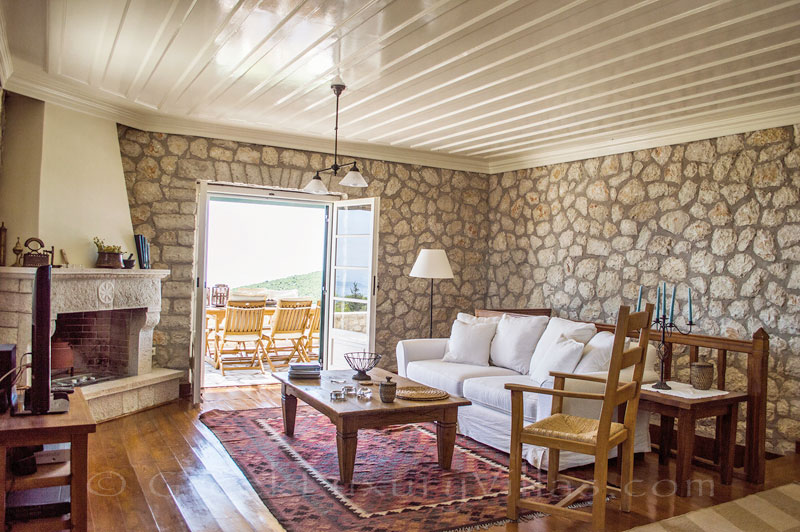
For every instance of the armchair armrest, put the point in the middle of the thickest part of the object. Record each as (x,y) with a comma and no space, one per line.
(550,391)
(418,349)
(578,376)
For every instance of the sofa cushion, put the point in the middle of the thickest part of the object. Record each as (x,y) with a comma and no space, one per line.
(469,342)
(563,357)
(596,354)
(491,393)
(450,376)
(556,327)
(515,340)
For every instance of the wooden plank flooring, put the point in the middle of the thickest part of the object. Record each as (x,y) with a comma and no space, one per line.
(163,470)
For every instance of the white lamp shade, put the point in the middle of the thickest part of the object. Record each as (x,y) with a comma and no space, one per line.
(316,186)
(432,264)
(353,178)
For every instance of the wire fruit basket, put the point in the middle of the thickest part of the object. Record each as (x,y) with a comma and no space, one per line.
(362,362)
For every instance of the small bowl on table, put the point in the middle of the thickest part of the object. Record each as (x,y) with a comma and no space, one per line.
(362,362)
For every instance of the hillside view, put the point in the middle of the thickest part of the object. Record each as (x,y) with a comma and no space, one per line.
(306,284)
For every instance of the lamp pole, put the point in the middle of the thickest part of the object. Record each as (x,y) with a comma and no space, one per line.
(430,332)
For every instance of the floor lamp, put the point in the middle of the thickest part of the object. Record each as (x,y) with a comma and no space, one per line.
(432,264)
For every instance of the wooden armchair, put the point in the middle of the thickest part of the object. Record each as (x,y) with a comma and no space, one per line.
(311,336)
(284,340)
(243,323)
(583,435)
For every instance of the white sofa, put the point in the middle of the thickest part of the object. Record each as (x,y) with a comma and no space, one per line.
(488,419)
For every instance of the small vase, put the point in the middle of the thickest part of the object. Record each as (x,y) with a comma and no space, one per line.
(701,375)
(388,390)
(109,260)
(61,355)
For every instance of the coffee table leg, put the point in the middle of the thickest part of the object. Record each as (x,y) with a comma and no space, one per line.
(289,409)
(446,437)
(346,444)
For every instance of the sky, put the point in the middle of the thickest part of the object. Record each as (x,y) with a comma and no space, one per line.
(253,242)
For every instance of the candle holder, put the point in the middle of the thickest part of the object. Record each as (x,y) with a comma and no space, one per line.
(662,325)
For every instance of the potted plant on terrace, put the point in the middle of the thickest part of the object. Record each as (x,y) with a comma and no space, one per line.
(108,256)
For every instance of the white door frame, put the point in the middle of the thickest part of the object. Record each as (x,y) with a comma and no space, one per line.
(207,190)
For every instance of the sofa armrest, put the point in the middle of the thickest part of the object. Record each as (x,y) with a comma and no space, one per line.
(418,349)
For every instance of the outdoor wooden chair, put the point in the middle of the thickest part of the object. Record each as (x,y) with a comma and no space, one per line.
(210,340)
(243,322)
(584,435)
(311,337)
(284,340)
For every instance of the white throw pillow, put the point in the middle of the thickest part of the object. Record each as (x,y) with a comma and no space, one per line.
(563,356)
(574,330)
(597,353)
(469,343)
(515,341)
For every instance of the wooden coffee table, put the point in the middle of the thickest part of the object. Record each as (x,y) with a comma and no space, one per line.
(353,414)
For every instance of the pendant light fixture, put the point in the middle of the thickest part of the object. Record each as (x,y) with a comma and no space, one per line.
(353,178)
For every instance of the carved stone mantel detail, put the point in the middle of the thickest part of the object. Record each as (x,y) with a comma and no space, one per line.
(105,292)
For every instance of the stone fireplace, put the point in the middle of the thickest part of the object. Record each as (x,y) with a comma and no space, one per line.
(108,317)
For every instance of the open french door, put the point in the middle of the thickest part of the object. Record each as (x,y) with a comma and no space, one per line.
(198,323)
(353,280)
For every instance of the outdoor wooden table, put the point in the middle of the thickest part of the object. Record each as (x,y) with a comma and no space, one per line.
(353,414)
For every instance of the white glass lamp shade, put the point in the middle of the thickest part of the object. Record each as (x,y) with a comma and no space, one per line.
(353,178)
(316,186)
(432,264)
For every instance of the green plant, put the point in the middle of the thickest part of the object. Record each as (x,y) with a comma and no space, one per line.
(103,248)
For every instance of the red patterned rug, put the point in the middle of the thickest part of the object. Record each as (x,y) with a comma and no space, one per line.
(397,484)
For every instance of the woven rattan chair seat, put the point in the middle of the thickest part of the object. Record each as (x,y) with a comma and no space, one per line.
(568,427)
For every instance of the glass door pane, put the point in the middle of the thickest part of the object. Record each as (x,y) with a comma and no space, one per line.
(353,267)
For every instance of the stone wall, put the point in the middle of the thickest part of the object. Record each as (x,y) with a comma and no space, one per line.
(719,215)
(420,207)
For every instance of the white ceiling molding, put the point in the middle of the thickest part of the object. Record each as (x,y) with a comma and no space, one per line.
(6,64)
(645,140)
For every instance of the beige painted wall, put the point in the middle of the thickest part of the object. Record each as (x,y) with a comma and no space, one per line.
(19,177)
(82,186)
(62,180)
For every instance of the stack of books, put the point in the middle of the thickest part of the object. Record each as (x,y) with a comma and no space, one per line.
(304,370)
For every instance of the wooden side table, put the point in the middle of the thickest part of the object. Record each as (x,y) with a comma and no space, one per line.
(73,427)
(688,411)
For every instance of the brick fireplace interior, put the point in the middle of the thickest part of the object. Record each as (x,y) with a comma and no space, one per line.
(99,341)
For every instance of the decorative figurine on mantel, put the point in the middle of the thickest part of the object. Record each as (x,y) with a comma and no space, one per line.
(661,323)
(18,249)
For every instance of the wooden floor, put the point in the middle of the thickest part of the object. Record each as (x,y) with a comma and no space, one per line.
(164,470)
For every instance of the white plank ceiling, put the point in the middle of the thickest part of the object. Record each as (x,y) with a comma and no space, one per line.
(474,84)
